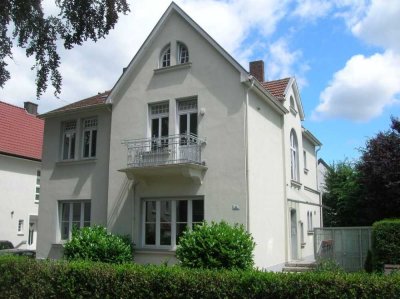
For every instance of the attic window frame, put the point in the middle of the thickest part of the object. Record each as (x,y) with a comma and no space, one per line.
(181,54)
(165,57)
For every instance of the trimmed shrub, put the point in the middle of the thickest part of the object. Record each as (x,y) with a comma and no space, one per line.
(216,246)
(385,243)
(95,244)
(28,278)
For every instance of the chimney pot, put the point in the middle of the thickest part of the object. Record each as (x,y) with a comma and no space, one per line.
(257,69)
(31,108)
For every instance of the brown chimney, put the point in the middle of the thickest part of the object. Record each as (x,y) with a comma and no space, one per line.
(31,108)
(257,70)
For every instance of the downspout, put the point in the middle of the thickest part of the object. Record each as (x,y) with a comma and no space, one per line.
(246,141)
(320,193)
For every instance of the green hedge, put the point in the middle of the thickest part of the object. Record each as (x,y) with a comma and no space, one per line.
(385,243)
(26,278)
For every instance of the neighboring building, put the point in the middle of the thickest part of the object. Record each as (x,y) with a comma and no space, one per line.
(21,137)
(185,135)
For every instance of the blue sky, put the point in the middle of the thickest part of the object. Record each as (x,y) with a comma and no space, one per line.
(345,55)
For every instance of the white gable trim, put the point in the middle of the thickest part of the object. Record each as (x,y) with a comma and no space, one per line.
(172,8)
(293,82)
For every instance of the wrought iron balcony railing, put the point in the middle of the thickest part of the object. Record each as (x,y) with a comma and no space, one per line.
(175,149)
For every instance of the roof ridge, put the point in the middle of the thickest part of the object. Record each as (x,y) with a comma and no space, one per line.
(286,78)
(12,105)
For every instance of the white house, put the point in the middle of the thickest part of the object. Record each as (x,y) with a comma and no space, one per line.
(185,135)
(21,137)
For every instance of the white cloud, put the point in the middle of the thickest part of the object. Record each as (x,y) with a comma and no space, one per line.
(381,24)
(312,9)
(362,89)
(366,85)
(283,62)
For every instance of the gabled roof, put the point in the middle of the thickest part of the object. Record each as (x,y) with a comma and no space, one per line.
(277,87)
(21,133)
(94,101)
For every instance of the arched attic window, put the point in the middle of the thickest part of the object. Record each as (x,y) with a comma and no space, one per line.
(294,156)
(165,57)
(292,102)
(183,53)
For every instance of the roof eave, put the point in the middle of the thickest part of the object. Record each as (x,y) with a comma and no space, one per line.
(311,137)
(266,95)
(73,110)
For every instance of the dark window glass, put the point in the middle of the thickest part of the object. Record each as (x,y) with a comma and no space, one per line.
(86,141)
(94,141)
(181,211)
(198,210)
(150,234)
(72,156)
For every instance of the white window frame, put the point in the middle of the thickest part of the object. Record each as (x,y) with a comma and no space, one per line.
(173,220)
(305,162)
(192,108)
(68,131)
(165,57)
(294,157)
(310,227)
(183,53)
(70,216)
(37,188)
(20,227)
(89,125)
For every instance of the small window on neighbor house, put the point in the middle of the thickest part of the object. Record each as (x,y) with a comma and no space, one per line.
(37,190)
(69,138)
(20,226)
(89,136)
(183,53)
(165,58)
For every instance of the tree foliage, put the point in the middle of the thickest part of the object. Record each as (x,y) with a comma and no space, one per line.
(368,191)
(343,195)
(25,23)
(379,169)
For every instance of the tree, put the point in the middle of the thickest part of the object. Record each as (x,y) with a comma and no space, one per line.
(343,196)
(379,169)
(77,21)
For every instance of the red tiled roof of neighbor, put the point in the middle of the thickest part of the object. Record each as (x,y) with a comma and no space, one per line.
(277,87)
(98,99)
(21,133)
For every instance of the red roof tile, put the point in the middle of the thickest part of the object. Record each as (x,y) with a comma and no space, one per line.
(277,87)
(98,99)
(21,133)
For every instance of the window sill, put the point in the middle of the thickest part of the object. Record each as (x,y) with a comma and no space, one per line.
(293,111)
(36,202)
(310,232)
(20,234)
(173,68)
(306,170)
(295,184)
(155,250)
(303,245)
(76,162)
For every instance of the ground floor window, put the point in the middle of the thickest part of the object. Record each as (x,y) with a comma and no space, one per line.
(73,214)
(164,220)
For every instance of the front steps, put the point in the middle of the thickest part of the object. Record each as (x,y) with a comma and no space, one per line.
(299,267)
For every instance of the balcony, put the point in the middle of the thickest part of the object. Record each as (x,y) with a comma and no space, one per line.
(170,155)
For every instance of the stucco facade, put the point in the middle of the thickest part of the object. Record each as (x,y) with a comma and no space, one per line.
(19,207)
(185,138)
